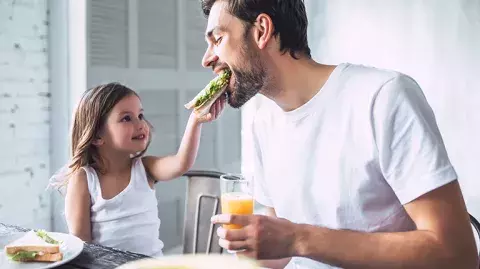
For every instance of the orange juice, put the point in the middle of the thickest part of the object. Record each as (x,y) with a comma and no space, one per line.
(236,203)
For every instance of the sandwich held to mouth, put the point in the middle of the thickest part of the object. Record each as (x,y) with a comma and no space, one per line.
(34,247)
(204,100)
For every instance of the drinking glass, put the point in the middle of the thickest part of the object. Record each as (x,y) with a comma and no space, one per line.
(236,196)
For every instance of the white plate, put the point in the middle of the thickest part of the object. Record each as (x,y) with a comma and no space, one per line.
(72,247)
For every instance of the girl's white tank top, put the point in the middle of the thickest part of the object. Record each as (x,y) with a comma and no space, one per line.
(129,221)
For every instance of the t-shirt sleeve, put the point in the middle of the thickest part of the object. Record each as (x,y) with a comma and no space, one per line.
(412,154)
(260,190)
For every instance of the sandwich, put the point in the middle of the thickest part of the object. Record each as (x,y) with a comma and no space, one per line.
(34,246)
(204,100)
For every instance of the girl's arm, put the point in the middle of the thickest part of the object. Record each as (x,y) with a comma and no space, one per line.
(170,167)
(77,206)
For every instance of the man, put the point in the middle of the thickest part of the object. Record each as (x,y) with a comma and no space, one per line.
(350,162)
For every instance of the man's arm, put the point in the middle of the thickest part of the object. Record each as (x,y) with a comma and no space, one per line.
(443,239)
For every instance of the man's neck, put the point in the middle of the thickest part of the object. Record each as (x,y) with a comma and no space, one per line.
(295,82)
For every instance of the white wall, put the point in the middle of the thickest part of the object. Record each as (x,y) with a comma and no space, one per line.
(436,42)
(67,80)
(24,113)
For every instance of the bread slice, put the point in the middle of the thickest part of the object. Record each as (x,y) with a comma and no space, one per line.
(45,249)
(30,242)
(44,257)
(49,257)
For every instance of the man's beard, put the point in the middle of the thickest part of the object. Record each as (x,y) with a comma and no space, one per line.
(248,82)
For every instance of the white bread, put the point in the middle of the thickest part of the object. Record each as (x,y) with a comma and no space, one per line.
(47,257)
(47,249)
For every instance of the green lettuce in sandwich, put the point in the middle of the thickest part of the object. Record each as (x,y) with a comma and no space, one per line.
(204,100)
(43,234)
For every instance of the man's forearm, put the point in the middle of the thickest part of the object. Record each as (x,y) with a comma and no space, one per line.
(350,249)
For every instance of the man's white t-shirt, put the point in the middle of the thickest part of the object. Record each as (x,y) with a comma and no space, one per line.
(366,144)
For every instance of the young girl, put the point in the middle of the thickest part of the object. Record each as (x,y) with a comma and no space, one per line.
(110,197)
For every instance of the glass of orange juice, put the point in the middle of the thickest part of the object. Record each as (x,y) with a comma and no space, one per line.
(236,196)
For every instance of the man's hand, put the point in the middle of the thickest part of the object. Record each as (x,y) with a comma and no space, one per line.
(262,237)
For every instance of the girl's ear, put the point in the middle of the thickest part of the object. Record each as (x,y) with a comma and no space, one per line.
(98,141)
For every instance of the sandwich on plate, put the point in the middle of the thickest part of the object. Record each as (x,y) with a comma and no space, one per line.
(34,246)
(204,100)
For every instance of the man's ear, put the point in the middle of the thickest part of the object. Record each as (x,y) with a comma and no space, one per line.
(263,30)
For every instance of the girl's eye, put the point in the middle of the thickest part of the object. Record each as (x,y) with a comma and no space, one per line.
(217,41)
(141,117)
(126,119)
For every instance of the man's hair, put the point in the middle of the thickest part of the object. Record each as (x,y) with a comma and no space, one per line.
(288,16)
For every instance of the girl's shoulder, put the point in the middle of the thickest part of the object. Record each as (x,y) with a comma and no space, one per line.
(64,177)
(143,162)
(78,183)
(139,163)
(78,177)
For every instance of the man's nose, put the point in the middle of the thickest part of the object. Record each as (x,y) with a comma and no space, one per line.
(209,58)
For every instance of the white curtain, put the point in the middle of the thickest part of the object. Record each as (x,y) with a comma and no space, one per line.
(437,42)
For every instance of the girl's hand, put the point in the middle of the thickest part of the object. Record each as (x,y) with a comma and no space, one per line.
(215,111)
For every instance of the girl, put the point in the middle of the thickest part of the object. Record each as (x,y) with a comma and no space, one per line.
(110,196)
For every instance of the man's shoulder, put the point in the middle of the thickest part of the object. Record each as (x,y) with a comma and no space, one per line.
(373,76)
(361,82)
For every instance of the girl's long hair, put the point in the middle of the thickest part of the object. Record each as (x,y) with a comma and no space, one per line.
(89,118)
